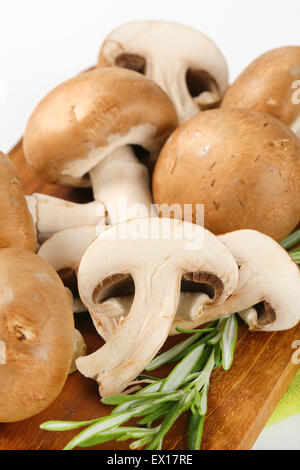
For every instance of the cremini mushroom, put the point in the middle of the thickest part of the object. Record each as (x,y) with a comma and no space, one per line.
(244,166)
(267,296)
(183,61)
(156,253)
(16,223)
(268,291)
(64,251)
(83,129)
(270,84)
(51,214)
(36,334)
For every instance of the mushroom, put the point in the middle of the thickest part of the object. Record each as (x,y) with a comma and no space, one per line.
(83,129)
(36,335)
(64,251)
(242,165)
(51,214)
(268,291)
(16,223)
(183,61)
(156,253)
(269,85)
(267,296)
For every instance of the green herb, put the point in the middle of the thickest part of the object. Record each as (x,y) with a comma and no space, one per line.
(291,240)
(185,388)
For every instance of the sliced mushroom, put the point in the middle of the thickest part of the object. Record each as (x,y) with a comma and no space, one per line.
(268,291)
(270,84)
(16,223)
(36,335)
(156,252)
(242,165)
(85,126)
(184,62)
(51,214)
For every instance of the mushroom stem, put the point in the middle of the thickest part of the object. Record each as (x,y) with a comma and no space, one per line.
(122,183)
(51,214)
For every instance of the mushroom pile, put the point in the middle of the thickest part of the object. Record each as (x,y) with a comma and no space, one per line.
(150,131)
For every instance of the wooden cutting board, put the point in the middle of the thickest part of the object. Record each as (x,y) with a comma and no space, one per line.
(240,400)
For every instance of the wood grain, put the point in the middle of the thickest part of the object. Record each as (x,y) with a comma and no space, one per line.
(240,401)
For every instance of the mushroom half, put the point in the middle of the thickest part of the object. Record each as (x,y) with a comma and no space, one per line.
(156,253)
(270,84)
(183,61)
(36,335)
(83,133)
(64,251)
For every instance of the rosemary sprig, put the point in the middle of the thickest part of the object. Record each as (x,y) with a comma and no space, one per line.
(185,388)
(291,241)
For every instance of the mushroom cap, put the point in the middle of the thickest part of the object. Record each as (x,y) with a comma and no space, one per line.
(266,85)
(16,221)
(36,334)
(182,60)
(82,120)
(242,165)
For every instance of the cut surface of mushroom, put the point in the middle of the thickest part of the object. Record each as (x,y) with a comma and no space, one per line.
(17,230)
(267,296)
(268,291)
(36,334)
(156,252)
(51,214)
(243,182)
(76,129)
(183,61)
(270,84)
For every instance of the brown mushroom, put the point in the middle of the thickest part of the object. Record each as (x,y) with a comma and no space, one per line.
(36,334)
(270,84)
(242,165)
(16,223)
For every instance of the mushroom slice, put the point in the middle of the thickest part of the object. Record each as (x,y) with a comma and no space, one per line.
(51,214)
(243,182)
(36,334)
(83,131)
(270,84)
(183,61)
(17,228)
(156,252)
(268,291)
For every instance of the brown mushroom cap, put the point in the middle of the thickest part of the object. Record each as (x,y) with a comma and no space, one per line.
(266,85)
(84,113)
(16,222)
(36,334)
(242,165)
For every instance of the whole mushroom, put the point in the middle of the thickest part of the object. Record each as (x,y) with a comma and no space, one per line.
(83,130)
(270,84)
(183,61)
(242,165)
(36,334)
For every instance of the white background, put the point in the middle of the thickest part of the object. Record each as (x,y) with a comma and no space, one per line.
(43,43)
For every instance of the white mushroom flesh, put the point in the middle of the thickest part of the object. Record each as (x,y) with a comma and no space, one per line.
(156,264)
